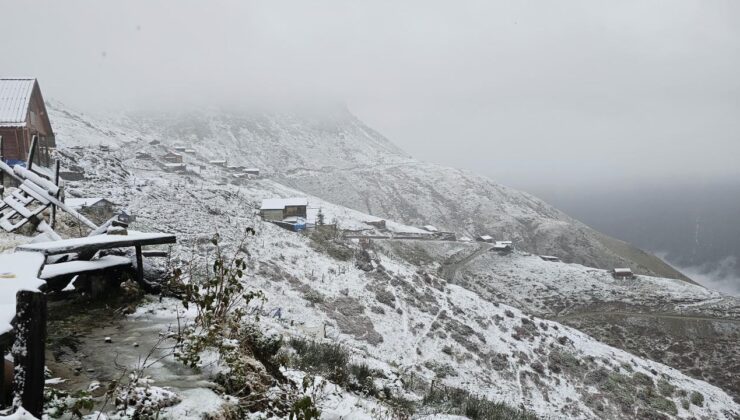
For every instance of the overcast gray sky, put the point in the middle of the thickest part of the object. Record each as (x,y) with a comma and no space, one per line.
(531,93)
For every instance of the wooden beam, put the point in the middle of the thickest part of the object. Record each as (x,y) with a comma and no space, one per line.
(5,384)
(2,173)
(31,152)
(148,287)
(29,351)
(139,265)
(53,206)
(55,201)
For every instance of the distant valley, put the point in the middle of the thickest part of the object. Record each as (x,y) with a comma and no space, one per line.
(693,227)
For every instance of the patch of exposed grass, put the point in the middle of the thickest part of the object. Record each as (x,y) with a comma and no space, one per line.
(461,402)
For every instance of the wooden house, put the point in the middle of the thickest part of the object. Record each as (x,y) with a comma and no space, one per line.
(23,115)
(98,209)
(484,238)
(503,246)
(623,273)
(549,258)
(252,171)
(430,228)
(172,157)
(277,209)
(380,223)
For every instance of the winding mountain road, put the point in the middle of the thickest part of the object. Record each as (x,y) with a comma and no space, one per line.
(449,271)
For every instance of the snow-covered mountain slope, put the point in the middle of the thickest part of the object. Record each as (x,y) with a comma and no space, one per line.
(333,155)
(398,316)
(677,323)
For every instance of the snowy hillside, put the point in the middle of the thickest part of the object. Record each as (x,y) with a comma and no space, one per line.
(333,155)
(397,310)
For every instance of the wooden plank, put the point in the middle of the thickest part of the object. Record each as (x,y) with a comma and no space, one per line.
(61,205)
(2,173)
(4,383)
(96,243)
(139,265)
(51,271)
(6,340)
(20,197)
(56,182)
(155,253)
(29,350)
(18,207)
(6,224)
(148,287)
(30,191)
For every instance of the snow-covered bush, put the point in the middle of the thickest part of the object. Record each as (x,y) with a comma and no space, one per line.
(219,296)
(59,403)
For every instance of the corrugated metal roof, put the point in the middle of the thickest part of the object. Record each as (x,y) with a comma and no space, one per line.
(15,96)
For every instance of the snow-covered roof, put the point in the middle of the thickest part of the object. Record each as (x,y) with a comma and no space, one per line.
(15,97)
(78,203)
(282,203)
(430,228)
(623,270)
(486,237)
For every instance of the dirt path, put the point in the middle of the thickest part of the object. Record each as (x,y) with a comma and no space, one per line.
(449,271)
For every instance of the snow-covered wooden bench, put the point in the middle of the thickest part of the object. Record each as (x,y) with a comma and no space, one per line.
(86,248)
(25,275)
(59,275)
(73,268)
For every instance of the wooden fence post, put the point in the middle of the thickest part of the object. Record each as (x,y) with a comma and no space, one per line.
(3,386)
(31,152)
(2,173)
(29,351)
(53,206)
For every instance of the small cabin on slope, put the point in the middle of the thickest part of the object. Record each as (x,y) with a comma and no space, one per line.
(277,209)
(484,238)
(23,115)
(97,208)
(623,273)
(172,157)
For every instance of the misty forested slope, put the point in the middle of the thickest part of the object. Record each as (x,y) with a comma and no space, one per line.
(333,155)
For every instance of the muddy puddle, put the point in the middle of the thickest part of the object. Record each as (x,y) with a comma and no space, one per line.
(93,342)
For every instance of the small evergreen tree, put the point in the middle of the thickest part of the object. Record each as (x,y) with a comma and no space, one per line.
(320,218)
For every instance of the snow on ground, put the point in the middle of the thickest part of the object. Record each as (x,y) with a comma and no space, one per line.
(397,317)
(557,288)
